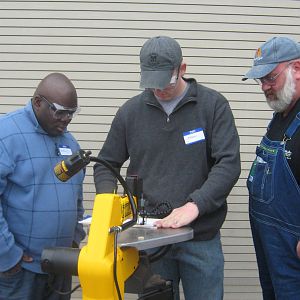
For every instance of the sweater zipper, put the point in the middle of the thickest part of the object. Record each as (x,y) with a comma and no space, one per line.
(177,108)
(151,104)
(168,116)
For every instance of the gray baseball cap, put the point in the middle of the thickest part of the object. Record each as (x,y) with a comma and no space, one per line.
(270,54)
(159,57)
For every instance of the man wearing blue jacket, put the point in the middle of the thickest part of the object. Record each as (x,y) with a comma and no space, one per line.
(181,139)
(36,209)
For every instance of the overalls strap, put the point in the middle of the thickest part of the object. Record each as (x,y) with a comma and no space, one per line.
(293,127)
(268,127)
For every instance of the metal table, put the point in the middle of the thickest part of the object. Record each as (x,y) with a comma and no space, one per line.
(152,237)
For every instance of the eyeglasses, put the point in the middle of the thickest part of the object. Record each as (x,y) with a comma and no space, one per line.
(61,112)
(174,78)
(271,80)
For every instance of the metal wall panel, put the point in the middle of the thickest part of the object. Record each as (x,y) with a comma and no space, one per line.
(96,44)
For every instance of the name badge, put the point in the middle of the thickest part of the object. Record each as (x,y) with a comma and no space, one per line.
(193,136)
(64,150)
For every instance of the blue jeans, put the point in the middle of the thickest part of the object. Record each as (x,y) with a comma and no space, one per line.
(279,266)
(26,285)
(198,264)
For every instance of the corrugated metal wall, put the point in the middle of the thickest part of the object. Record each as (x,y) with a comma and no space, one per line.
(96,44)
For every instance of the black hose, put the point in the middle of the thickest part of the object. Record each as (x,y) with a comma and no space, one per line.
(125,187)
(116,232)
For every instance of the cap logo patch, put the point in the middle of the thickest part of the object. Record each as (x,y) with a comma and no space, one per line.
(153,59)
(258,54)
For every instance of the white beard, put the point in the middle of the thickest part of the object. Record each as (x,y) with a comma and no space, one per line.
(285,95)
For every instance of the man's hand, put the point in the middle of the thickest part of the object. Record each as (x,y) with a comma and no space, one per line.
(298,249)
(27,258)
(179,217)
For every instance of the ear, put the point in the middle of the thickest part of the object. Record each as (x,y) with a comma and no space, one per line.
(182,69)
(36,102)
(296,68)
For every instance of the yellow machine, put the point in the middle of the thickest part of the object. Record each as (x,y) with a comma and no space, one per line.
(96,259)
(101,265)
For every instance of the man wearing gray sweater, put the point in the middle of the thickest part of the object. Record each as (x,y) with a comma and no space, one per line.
(182,142)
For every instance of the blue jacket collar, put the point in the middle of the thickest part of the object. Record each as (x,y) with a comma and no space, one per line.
(31,114)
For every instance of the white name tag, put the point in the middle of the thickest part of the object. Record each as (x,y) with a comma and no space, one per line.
(64,150)
(193,136)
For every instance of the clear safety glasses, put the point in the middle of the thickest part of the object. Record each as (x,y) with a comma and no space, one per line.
(59,111)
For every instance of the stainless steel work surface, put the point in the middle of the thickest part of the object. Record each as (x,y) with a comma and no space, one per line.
(147,238)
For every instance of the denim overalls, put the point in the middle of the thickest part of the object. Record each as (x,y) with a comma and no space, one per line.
(274,208)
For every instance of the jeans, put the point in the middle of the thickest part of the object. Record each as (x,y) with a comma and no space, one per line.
(198,264)
(279,266)
(26,285)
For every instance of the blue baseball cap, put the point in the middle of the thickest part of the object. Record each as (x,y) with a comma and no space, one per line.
(159,56)
(270,54)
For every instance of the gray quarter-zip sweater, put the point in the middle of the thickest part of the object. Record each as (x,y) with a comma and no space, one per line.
(174,168)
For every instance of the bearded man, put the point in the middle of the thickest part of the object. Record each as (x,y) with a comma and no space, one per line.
(273,182)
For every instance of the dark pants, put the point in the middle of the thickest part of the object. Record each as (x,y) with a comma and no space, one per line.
(26,285)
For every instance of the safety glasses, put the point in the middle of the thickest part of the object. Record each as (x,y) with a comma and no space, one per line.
(59,111)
